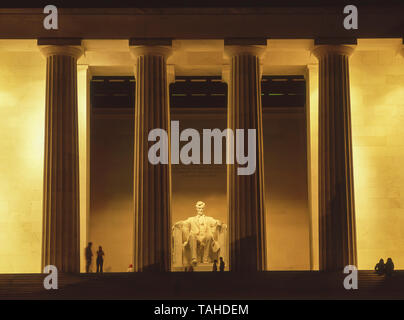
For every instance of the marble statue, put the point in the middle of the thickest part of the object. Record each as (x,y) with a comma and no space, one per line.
(199,239)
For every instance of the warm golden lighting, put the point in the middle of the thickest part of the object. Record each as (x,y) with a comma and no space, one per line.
(84,155)
(22,115)
(377,100)
(22,120)
(377,95)
(312,154)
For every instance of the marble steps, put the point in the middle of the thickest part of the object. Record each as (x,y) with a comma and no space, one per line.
(202,285)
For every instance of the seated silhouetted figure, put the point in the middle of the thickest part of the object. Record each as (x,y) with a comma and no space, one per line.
(389,267)
(214,269)
(380,267)
(222,264)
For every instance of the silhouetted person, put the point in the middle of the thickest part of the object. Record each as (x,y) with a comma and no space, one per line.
(89,256)
(214,269)
(389,267)
(380,267)
(222,264)
(100,259)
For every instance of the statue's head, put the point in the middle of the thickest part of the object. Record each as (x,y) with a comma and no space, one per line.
(200,206)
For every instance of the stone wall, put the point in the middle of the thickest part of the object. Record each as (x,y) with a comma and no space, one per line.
(377,95)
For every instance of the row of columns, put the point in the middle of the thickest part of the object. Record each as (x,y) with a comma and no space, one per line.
(152,183)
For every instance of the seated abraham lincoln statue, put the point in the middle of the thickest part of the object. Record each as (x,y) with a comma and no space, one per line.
(198,239)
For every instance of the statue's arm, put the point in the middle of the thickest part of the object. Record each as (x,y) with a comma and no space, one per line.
(184,226)
(215,223)
(178,224)
(220,226)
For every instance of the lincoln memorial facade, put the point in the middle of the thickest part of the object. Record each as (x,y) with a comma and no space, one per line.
(77,105)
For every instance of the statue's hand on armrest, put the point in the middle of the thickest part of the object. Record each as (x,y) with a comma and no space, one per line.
(219,225)
(178,224)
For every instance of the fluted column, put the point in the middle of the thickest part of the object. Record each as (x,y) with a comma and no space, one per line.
(337,234)
(152,183)
(61,232)
(245,193)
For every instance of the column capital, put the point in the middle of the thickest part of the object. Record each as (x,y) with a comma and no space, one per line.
(61,50)
(322,50)
(150,47)
(60,46)
(237,47)
(239,50)
(163,51)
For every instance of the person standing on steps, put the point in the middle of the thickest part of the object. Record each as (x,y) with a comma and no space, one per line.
(89,256)
(222,264)
(214,269)
(100,260)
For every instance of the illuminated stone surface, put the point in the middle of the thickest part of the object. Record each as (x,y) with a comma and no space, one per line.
(22,115)
(312,150)
(377,86)
(83,88)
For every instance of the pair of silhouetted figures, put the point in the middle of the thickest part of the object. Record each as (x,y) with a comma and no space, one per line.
(221,265)
(89,258)
(385,268)
(190,268)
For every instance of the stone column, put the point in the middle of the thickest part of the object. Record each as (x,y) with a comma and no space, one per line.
(245,193)
(337,235)
(152,183)
(61,232)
